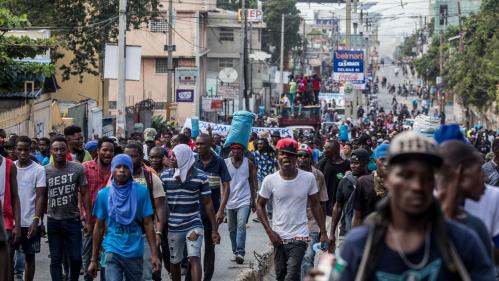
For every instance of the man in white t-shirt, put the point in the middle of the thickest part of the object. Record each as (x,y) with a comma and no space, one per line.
(290,189)
(487,210)
(31,189)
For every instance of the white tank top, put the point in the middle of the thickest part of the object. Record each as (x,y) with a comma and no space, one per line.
(3,176)
(240,194)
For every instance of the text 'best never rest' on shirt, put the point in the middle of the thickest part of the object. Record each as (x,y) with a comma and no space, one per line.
(63,186)
(184,199)
(289,202)
(124,240)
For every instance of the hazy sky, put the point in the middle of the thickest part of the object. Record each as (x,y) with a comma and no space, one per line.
(394,23)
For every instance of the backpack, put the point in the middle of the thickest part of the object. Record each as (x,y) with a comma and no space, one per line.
(348,209)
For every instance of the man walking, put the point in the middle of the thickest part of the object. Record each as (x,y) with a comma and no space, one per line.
(65,181)
(147,177)
(265,159)
(289,189)
(218,176)
(407,238)
(74,139)
(98,173)
(491,168)
(304,163)
(343,207)
(122,210)
(187,187)
(31,188)
(370,188)
(241,199)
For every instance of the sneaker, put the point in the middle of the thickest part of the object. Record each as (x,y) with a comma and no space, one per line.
(256,220)
(239,259)
(233,258)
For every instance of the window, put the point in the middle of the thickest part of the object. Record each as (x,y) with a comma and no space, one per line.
(225,63)
(161,65)
(159,25)
(226,34)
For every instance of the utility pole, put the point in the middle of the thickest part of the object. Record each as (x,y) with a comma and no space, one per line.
(461,32)
(121,102)
(169,47)
(348,29)
(242,76)
(355,25)
(246,62)
(282,55)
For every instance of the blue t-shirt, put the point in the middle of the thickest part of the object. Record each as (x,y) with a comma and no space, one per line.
(391,266)
(316,154)
(344,132)
(124,240)
(184,199)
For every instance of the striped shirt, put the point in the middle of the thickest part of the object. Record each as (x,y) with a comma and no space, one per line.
(184,199)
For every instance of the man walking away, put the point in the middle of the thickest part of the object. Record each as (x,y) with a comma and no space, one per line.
(98,173)
(241,199)
(187,187)
(290,189)
(305,163)
(65,181)
(407,238)
(31,188)
(122,210)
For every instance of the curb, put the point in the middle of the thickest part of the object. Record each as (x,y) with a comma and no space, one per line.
(264,262)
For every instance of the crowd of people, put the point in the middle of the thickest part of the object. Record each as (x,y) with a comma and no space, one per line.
(390,203)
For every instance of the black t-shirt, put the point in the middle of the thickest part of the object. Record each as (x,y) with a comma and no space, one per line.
(333,173)
(390,265)
(365,198)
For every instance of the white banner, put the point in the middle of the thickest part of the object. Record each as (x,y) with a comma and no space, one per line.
(223,130)
(132,62)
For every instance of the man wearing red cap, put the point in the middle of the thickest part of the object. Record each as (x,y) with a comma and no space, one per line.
(289,189)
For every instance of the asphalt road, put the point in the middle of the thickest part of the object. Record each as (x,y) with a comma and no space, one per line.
(225,270)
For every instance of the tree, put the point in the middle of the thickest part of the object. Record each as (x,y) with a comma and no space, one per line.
(83,26)
(13,49)
(271,37)
(236,5)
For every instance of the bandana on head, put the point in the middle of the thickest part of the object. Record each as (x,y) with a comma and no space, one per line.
(185,160)
(122,201)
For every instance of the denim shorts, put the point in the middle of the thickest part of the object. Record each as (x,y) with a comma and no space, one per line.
(177,241)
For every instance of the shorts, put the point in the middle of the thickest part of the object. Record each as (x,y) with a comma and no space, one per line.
(177,241)
(29,246)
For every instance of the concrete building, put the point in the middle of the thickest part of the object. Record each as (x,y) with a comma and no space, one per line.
(446,12)
(190,31)
(224,44)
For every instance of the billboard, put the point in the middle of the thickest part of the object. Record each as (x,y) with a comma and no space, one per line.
(348,66)
(184,95)
(186,76)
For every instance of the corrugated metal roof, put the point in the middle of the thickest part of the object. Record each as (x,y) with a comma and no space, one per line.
(21,95)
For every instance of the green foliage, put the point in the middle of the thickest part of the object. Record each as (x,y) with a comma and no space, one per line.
(272,11)
(474,74)
(14,72)
(161,124)
(406,48)
(83,26)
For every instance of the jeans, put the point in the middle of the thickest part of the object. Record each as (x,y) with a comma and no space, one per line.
(209,253)
(237,228)
(86,255)
(287,260)
(308,258)
(119,268)
(19,262)
(64,238)
(147,270)
(292,102)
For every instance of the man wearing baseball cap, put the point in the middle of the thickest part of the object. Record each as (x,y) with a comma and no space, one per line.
(343,206)
(407,238)
(370,189)
(304,163)
(290,189)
